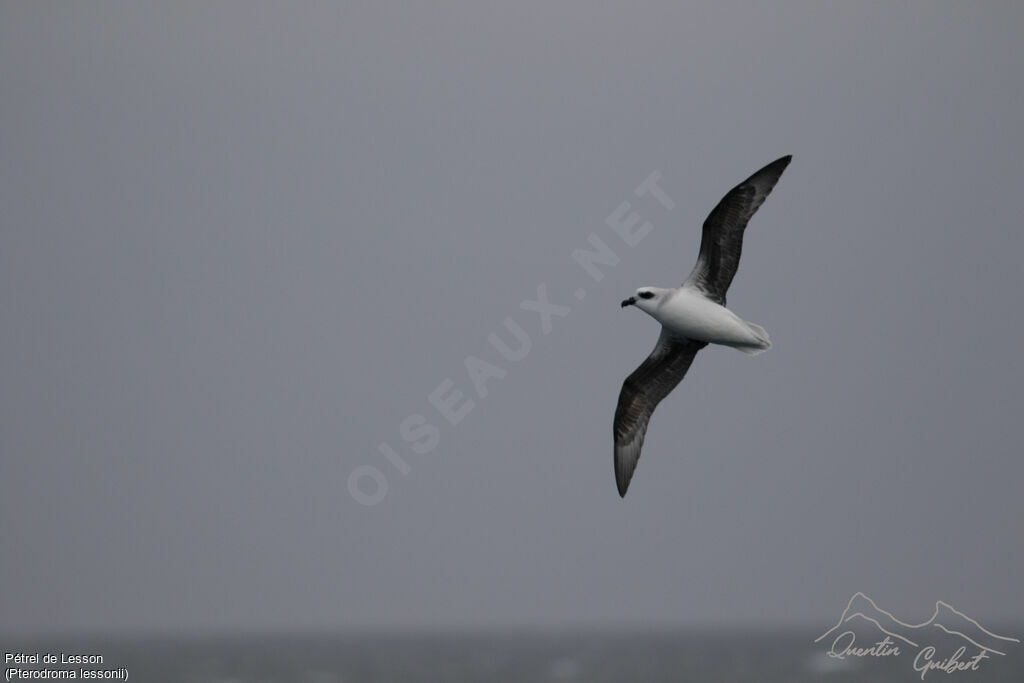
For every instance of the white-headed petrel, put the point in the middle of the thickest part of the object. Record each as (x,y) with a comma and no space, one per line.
(691,316)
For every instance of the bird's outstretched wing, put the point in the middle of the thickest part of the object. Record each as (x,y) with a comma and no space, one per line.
(722,239)
(641,393)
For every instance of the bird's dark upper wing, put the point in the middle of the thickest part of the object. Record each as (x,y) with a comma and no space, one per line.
(641,393)
(722,239)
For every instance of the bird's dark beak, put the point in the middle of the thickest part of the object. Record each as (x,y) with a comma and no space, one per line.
(629,302)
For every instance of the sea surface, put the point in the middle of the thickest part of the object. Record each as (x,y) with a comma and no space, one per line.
(512,657)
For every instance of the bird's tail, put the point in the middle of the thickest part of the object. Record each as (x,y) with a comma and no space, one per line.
(759,344)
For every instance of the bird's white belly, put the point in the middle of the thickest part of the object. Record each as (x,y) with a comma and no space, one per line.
(690,314)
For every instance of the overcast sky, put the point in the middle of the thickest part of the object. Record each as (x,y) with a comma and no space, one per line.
(242,243)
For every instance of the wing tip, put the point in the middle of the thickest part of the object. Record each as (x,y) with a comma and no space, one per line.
(625,465)
(763,180)
(779,165)
(622,476)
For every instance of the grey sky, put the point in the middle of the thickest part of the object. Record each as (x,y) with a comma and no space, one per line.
(241,242)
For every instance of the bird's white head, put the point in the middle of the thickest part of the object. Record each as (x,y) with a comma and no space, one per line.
(647,299)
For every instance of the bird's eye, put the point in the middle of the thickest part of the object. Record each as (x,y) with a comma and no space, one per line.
(645,295)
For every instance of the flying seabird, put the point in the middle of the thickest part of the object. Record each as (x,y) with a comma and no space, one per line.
(692,316)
